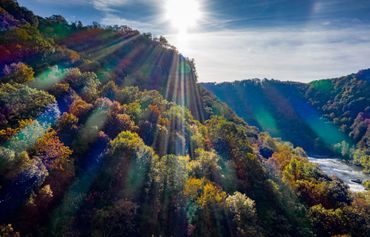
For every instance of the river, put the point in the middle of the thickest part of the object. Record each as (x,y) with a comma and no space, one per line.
(343,171)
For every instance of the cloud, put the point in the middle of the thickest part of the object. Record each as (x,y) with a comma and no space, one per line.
(108,5)
(112,19)
(65,2)
(100,5)
(112,5)
(285,53)
(111,10)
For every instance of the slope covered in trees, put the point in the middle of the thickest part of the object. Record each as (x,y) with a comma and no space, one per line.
(325,117)
(104,131)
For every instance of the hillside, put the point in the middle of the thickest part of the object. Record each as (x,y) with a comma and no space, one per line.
(104,131)
(325,117)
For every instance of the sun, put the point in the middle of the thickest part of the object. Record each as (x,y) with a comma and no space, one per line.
(183,14)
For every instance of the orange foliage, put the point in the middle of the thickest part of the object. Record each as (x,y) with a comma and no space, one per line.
(125,122)
(79,107)
(74,56)
(52,151)
(154,109)
(283,156)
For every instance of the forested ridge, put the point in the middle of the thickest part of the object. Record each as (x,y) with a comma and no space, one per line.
(104,131)
(326,117)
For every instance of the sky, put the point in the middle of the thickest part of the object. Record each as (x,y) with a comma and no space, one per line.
(296,40)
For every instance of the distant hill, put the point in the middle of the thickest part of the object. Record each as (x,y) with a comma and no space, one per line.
(325,117)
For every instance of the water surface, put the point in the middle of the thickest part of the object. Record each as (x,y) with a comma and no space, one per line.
(345,172)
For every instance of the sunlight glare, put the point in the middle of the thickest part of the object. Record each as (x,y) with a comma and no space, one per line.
(183,14)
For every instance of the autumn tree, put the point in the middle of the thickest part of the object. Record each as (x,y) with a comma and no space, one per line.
(207,202)
(242,212)
(128,165)
(67,127)
(17,73)
(52,151)
(205,164)
(79,107)
(86,84)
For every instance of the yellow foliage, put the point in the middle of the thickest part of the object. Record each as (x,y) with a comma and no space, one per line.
(284,154)
(204,192)
(192,187)
(52,151)
(46,191)
(211,195)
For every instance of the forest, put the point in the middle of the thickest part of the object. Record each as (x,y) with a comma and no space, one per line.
(105,131)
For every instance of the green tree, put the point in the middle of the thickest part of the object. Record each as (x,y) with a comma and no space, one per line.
(242,212)
(206,164)
(22,102)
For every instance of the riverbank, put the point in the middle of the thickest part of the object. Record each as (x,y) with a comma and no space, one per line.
(350,174)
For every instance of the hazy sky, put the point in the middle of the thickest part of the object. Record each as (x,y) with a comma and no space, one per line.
(299,40)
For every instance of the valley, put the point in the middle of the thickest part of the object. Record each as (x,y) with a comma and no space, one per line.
(350,174)
(328,117)
(107,131)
